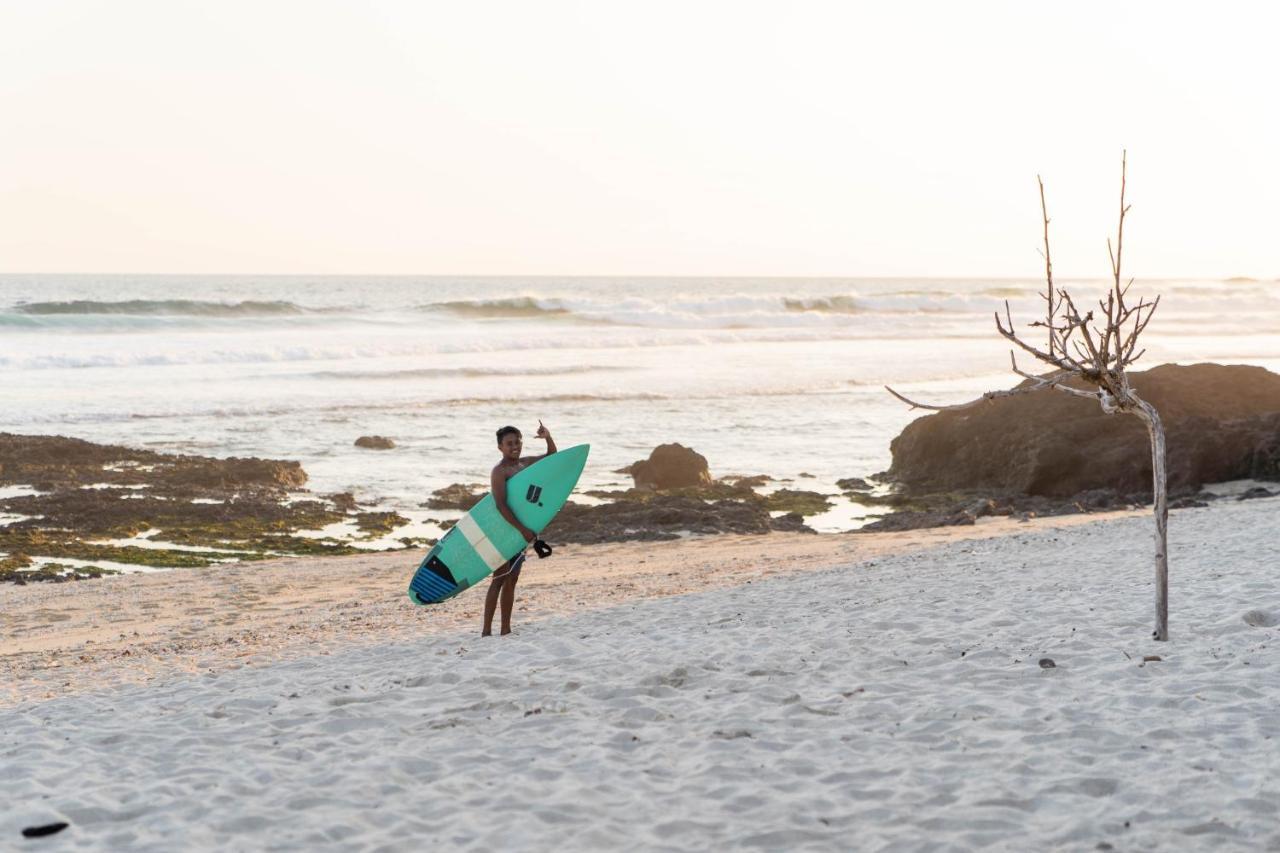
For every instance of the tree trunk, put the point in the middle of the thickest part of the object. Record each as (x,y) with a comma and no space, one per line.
(1155,430)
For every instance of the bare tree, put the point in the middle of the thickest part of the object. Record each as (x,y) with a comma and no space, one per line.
(1095,349)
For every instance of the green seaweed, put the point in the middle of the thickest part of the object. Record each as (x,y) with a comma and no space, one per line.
(738,489)
(797,501)
(50,573)
(40,543)
(379,523)
(14,562)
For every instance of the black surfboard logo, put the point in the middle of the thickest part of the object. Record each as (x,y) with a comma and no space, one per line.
(534,493)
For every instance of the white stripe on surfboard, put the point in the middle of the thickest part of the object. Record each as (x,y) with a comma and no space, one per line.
(481,543)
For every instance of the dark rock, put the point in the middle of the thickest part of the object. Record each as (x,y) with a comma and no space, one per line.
(728,505)
(1222,423)
(198,472)
(1256,492)
(379,523)
(1186,503)
(52,462)
(717,490)
(455,496)
(375,442)
(730,489)
(797,502)
(1047,663)
(343,501)
(854,484)
(909,520)
(792,522)
(662,517)
(959,514)
(1093,500)
(751,482)
(951,508)
(671,466)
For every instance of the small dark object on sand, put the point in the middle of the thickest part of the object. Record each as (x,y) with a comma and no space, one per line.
(42,831)
(1047,663)
(1151,658)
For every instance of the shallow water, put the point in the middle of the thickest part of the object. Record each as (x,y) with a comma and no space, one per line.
(762,376)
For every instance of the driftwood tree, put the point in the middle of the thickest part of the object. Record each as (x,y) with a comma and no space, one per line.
(1095,349)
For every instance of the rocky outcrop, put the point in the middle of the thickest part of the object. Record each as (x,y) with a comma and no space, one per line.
(854,485)
(1222,423)
(244,508)
(375,442)
(664,517)
(671,466)
(51,462)
(455,496)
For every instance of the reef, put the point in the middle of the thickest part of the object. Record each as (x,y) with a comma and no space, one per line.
(87,502)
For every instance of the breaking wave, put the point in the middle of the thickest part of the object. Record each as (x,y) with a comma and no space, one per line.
(727,311)
(164,307)
(462,372)
(500,309)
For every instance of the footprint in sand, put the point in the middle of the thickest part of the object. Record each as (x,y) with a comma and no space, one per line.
(1261,619)
(52,615)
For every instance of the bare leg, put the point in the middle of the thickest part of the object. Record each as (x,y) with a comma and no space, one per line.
(491,600)
(508,601)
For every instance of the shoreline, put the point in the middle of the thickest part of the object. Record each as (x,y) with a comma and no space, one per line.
(59,640)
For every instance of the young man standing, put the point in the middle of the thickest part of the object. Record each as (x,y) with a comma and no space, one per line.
(503,586)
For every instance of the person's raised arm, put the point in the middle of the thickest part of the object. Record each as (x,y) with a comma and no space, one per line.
(545,434)
(498,485)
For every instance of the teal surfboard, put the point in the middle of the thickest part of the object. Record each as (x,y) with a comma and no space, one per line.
(482,540)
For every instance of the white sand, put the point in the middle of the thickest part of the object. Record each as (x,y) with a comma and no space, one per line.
(890,704)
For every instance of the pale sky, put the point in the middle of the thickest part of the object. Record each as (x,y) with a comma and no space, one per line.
(639,138)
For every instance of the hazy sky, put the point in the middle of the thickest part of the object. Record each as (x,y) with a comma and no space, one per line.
(704,138)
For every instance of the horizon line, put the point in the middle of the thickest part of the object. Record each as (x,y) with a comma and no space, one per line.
(706,276)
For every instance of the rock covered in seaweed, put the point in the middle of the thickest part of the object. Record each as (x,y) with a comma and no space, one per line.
(664,517)
(245,509)
(455,496)
(49,462)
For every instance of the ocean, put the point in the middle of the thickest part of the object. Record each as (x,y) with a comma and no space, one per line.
(781,377)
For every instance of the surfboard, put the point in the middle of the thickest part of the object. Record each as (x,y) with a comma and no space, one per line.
(482,540)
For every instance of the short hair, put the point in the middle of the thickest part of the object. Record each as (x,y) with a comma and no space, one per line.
(506,431)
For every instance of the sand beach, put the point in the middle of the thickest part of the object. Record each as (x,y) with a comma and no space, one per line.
(990,686)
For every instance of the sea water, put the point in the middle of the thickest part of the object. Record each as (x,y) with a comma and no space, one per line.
(782,377)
